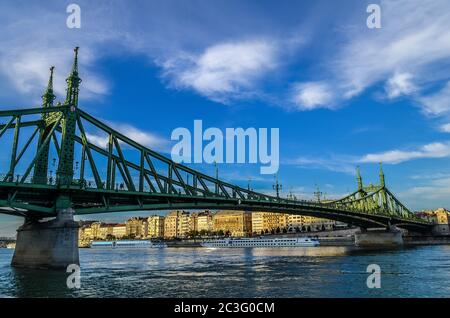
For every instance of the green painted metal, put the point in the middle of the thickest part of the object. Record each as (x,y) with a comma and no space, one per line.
(64,174)
(149,180)
(41,168)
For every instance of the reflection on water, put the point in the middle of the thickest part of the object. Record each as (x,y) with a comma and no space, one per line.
(303,251)
(29,283)
(259,272)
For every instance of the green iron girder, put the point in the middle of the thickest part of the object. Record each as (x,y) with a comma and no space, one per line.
(160,183)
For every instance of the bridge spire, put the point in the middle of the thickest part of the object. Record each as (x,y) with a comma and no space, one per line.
(64,174)
(49,97)
(382,182)
(73,82)
(359,179)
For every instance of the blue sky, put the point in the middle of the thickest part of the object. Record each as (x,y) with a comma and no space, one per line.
(341,94)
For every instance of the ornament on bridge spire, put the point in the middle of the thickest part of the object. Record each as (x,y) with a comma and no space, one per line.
(382,183)
(49,97)
(73,82)
(359,179)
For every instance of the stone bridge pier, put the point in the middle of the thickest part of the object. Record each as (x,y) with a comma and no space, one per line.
(390,237)
(48,244)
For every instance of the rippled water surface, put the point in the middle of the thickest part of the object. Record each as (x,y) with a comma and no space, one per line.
(197,272)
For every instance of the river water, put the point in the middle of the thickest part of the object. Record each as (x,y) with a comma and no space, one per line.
(199,272)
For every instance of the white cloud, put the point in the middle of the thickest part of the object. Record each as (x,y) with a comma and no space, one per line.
(414,39)
(437,103)
(98,140)
(144,138)
(432,150)
(431,195)
(399,84)
(345,164)
(29,72)
(35,37)
(348,163)
(445,128)
(312,95)
(223,71)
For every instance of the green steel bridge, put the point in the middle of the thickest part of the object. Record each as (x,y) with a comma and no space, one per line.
(52,164)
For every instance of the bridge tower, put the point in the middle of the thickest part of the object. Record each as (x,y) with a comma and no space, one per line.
(54,243)
(64,174)
(383,192)
(359,180)
(41,167)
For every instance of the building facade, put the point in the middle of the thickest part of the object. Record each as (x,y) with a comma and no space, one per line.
(263,222)
(177,224)
(236,223)
(440,218)
(155,226)
(119,230)
(136,227)
(308,223)
(205,222)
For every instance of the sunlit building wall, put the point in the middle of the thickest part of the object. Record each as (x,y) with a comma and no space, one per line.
(176,224)
(155,226)
(267,221)
(237,223)
(205,222)
(135,227)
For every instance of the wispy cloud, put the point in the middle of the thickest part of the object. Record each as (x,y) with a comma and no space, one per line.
(26,54)
(224,71)
(399,84)
(345,164)
(151,140)
(431,195)
(406,55)
(445,128)
(432,150)
(312,95)
(437,103)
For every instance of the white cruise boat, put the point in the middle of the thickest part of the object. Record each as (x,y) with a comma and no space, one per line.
(127,243)
(262,242)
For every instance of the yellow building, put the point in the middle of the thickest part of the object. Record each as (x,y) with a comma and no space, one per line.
(267,221)
(308,223)
(205,222)
(237,223)
(100,230)
(193,222)
(136,227)
(440,218)
(155,226)
(119,230)
(85,235)
(176,224)
(295,222)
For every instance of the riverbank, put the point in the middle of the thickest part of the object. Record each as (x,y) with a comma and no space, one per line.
(345,237)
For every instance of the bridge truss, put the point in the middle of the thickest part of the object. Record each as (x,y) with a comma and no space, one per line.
(59,156)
